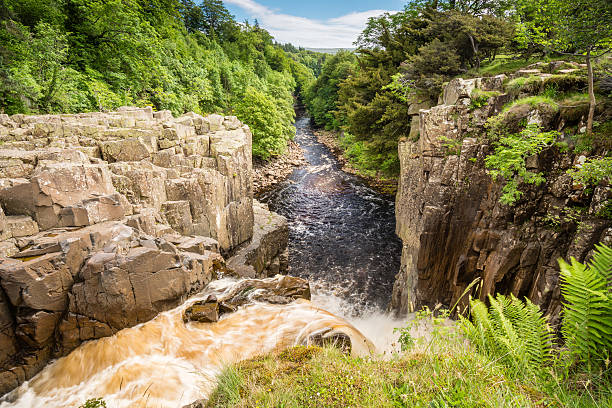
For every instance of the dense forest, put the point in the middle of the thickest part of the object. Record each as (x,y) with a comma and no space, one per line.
(403,60)
(65,56)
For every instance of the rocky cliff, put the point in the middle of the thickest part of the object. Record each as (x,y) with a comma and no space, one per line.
(108,219)
(449,215)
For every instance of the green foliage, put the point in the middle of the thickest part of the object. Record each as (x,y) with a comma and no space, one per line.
(367,161)
(436,323)
(322,96)
(534,101)
(271,126)
(84,55)
(566,215)
(452,146)
(530,84)
(402,57)
(94,403)
(227,392)
(510,330)
(593,171)
(508,161)
(566,25)
(480,98)
(587,313)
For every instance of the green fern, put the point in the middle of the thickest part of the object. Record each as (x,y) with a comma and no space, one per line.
(587,314)
(511,331)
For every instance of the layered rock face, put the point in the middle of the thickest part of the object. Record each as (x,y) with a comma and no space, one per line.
(453,226)
(107,219)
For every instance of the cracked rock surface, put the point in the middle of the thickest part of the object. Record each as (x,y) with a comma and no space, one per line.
(109,218)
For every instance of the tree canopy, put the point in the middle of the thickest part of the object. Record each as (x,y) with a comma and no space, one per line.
(182,55)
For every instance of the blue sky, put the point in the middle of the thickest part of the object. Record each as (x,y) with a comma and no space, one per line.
(312,23)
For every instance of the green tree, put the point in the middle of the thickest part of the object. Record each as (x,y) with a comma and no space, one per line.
(323,94)
(259,111)
(576,27)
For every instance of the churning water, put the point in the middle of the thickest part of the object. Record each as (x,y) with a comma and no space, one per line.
(341,232)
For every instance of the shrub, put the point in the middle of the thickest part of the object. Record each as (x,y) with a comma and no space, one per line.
(587,313)
(592,171)
(512,331)
(508,161)
(269,127)
(94,403)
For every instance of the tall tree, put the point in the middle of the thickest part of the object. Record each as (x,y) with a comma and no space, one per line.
(576,27)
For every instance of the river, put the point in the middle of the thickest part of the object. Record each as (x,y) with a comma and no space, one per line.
(341,232)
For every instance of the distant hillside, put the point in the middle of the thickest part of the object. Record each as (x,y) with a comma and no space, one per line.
(332,51)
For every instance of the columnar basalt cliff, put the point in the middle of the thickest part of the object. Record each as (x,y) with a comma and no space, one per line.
(108,219)
(454,227)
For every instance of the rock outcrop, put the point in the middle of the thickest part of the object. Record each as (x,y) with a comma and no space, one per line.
(454,227)
(108,219)
(278,290)
(266,254)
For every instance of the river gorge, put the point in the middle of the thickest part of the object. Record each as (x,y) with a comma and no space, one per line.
(341,232)
(116,228)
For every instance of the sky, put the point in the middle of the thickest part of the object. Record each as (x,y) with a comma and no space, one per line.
(312,23)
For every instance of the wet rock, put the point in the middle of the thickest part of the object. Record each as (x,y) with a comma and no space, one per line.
(330,338)
(207,310)
(277,290)
(202,312)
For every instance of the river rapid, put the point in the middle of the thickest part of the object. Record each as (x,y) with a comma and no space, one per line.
(341,232)
(341,239)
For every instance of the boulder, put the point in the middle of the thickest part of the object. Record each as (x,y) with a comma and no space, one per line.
(133,149)
(279,290)
(330,338)
(202,312)
(138,285)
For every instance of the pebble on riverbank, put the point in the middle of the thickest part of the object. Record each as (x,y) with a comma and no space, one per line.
(267,174)
(330,140)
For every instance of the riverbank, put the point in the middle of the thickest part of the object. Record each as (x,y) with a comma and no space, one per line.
(386,186)
(443,375)
(267,174)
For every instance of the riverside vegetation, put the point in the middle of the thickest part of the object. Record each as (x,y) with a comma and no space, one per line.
(404,59)
(68,56)
(504,355)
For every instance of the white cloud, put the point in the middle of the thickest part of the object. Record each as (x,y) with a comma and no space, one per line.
(339,32)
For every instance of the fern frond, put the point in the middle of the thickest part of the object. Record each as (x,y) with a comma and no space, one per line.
(587,314)
(514,332)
